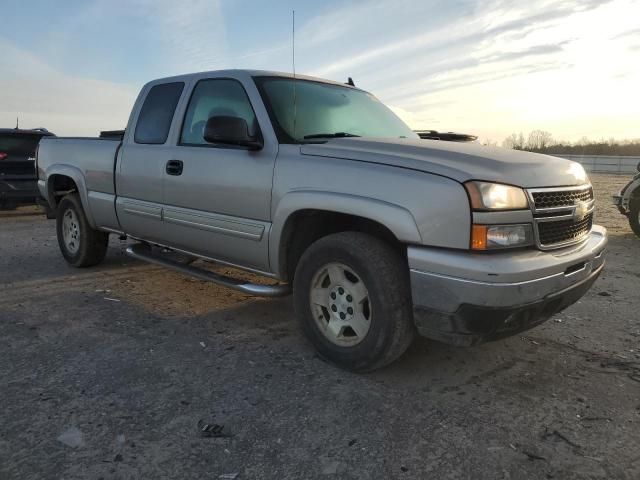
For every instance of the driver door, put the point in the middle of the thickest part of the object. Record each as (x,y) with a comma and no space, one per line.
(218,204)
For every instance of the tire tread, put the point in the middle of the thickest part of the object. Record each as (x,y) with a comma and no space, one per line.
(391,274)
(93,243)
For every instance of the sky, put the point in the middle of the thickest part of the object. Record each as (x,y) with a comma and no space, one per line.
(485,67)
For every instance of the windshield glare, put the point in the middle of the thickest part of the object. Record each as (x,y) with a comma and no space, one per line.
(323,108)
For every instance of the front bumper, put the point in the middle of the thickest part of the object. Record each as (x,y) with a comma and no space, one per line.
(465,298)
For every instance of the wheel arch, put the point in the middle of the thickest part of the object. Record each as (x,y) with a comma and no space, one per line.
(63,179)
(302,217)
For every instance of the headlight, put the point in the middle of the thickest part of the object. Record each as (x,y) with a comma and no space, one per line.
(495,196)
(491,237)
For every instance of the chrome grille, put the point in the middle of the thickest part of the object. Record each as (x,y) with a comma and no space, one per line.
(562,216)
(561,231)
(561,198)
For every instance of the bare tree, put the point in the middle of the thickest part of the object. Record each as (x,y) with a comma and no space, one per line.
(539,140)
(542,141)
(510,141)
(514,141)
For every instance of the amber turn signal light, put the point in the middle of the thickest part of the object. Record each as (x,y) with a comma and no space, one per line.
(479,237)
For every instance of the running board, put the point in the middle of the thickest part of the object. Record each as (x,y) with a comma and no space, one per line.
(140,252)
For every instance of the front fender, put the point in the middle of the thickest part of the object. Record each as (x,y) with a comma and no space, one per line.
(396,218)
(76,175)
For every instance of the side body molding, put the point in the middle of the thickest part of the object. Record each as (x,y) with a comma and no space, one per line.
(396,218)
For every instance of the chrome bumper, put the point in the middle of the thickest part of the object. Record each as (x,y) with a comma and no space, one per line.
(450,288)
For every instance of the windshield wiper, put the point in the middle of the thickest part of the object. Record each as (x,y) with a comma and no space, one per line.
(330,135)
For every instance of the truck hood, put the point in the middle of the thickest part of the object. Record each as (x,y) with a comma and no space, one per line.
(459,161)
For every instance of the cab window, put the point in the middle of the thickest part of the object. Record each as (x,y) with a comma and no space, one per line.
(157,112)
(215,97)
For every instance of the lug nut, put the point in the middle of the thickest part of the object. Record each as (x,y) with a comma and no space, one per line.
(333,295)
(350,311)
(341,291)
(349,298)
(334,308)
(342,316)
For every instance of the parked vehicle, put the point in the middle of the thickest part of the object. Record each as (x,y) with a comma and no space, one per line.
(379,234)
(18,181)
(628,202)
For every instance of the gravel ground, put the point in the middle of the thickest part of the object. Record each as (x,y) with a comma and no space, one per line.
(105,373)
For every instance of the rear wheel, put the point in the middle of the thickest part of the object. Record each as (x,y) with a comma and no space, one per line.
(634,216)
(352,297)
(81,245)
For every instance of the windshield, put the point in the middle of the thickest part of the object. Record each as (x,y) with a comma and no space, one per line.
(324,110)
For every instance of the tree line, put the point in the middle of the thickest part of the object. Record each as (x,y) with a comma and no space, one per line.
(541,141)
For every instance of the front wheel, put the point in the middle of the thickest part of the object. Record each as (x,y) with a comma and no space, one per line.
(81,245)
(634,217)
(352,297)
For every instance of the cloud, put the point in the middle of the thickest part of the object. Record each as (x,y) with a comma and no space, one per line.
(629,33)
(477,66)
(193,35)
(44,97)
(484,66)
(127,38)
(452,35)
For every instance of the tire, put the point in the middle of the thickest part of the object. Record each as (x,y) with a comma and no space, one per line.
(81,245)
(634,217)
(362,318)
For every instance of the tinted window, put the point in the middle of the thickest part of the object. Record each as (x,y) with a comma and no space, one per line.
(22,145)
(212,98)
(157,111)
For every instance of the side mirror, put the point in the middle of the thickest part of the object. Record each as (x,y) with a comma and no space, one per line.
(230,131)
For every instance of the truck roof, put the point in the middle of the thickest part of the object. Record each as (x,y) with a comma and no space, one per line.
(251,73)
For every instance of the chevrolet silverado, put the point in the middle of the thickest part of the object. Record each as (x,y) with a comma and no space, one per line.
(317,185)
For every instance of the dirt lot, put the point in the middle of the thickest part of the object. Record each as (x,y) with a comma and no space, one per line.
(105,372)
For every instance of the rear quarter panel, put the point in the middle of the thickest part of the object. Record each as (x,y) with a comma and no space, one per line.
(90,163)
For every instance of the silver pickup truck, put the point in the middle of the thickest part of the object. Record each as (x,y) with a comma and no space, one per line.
(379,235)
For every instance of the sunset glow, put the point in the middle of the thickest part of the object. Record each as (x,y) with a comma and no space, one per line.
(486,68)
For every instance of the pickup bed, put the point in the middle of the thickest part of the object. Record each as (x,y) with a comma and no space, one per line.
(379,235)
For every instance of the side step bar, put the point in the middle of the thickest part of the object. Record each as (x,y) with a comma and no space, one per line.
(140,252)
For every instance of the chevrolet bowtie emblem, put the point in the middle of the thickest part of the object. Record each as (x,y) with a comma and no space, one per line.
(581,211)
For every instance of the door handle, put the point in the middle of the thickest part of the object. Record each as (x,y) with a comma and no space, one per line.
(174,167)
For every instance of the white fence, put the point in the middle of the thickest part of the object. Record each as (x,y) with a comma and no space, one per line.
(605,163)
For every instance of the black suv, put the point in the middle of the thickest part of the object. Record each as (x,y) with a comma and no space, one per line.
(18,179)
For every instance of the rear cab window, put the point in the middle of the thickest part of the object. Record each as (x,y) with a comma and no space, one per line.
(156,114)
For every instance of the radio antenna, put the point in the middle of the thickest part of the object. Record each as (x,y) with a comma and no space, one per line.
(293,63)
